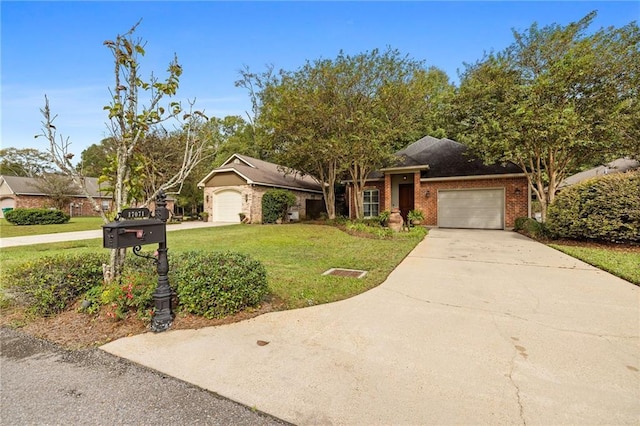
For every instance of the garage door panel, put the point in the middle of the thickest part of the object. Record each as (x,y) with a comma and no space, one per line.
(473,208)
(226,206)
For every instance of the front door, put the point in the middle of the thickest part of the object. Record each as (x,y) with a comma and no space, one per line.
(405,199)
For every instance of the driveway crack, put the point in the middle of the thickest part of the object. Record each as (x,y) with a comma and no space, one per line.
(517,388)
(491,262)
(510,315)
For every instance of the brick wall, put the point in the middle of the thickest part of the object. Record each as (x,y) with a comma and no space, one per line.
(81,206)
(252,200)
(254,203)
(516,202)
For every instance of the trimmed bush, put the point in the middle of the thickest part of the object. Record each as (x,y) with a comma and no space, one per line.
(36,217)
(275,204)
(606,208)
(217,284)
(529,227)
(50,284)
(133,292)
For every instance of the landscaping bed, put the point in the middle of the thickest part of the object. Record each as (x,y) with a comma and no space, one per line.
(295,257)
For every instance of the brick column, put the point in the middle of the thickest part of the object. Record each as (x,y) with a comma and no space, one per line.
(387,193)
(417,191)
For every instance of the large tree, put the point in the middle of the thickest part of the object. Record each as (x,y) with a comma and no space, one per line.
(137,107)
(96,158)
(234,135)
(27,162)
(347,115)
(555,99)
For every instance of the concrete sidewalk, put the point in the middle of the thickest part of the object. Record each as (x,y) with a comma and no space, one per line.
(473,327)
(86,235)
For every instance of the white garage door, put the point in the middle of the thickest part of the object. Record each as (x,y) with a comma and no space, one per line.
(226,206)
(471,208)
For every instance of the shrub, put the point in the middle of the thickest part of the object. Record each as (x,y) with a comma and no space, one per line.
(275,204)
(36,217)
(50,284)
(384,217)
(218,284)
(415,215)
(530,227)
(133,292)
(372,228)
(605,209)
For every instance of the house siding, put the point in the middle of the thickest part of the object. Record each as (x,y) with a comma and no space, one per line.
(226,179)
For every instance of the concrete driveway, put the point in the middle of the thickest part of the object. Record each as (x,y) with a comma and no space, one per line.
(473,327)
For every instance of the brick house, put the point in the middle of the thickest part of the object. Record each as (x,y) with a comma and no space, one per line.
(23,192)
(237,186)
(452,190)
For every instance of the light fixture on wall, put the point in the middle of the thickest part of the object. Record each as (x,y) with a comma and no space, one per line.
(404,177)
(207,199)
(517,191)
(427,194)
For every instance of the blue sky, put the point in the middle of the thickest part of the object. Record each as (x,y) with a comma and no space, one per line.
(55,48)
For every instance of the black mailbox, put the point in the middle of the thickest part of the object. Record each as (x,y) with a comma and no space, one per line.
(131,233)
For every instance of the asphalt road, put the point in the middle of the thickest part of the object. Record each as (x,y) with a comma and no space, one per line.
(42,383)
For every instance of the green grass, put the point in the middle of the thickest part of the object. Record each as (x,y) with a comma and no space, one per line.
(294,255)
(623,264)
(8,230)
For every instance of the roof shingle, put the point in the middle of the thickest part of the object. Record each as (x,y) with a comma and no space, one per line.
(262,172)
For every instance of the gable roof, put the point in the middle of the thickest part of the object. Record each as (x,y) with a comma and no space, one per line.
(439,158)
(29,186)
(617,166)
(260,172)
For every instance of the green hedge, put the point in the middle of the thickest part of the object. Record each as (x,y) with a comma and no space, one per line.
(530,227)
(275,204)
(217,284)
(50,284)
(36,217)
(207,284)
(606,208)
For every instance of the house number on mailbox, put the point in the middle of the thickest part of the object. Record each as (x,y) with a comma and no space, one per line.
(141,213)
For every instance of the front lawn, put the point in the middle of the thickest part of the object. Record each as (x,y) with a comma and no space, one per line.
(294,255)
(621,262)
(8,230)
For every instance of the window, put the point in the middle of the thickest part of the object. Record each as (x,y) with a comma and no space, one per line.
(371,202)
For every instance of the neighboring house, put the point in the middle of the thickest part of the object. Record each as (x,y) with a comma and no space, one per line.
(237,186)
(620,165)
(437,177)
(23,192)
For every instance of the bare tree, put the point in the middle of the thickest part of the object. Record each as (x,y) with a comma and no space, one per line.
(59,188)
(130,120)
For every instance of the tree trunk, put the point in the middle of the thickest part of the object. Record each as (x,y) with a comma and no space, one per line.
(328,182)
(120,195)
(359,177)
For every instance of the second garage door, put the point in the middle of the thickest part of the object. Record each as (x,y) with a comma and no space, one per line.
(226,206)
(471,208)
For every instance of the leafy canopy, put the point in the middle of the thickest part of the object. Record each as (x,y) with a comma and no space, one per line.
(554,100)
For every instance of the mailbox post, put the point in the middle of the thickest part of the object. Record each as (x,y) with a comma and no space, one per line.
(163,314)
(140,228)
